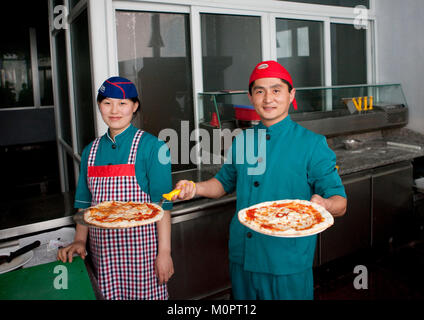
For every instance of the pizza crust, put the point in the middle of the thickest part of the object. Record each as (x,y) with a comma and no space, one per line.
(290,232)
(123,209)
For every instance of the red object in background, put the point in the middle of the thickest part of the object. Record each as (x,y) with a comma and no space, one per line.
(246,113)
(214,122)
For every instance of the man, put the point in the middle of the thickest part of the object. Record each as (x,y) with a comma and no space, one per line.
(299,165)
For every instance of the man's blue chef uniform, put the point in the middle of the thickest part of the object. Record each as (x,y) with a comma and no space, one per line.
(299,163)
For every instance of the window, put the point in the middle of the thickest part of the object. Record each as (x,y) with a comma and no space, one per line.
(348,55)
(25,71)
(300,50)
(16,78)
(73,3)
(154,52)
(75,111)
(231,48)
(341,3)
(44,69)
(83,93)
(62,86)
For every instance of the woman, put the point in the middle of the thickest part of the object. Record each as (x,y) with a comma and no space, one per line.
(132,263)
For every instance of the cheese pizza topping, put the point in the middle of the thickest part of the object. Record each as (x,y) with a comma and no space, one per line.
(285,216)
(119,214)
(295,217)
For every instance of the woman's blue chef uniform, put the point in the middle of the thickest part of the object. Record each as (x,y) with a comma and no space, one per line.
(124,259)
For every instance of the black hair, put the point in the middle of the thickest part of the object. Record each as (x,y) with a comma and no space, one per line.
(101,97)
(285,81)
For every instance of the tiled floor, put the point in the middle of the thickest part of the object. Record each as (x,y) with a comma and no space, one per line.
(396,273)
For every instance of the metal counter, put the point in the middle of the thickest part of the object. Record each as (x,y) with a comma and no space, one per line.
(375,153)
(200,227)
(54,212)
(200,250)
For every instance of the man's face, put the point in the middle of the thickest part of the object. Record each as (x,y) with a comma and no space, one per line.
(271,99)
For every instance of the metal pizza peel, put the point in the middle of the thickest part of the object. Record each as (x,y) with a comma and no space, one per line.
(79,219)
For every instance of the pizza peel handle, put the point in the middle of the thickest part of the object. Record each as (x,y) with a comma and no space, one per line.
(168,196)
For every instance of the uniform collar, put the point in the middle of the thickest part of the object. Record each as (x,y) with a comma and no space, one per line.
(278,127)
(121,136)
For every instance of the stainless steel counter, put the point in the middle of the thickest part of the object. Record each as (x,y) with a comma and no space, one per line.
(374,153)
(200,226)
(24,217)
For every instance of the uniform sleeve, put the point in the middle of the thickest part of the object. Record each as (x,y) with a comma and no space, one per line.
(322,172)
(159,173)
(227,175)
(83,194)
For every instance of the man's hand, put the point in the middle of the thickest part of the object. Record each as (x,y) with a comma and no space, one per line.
(211,188)
(336,205)
(188,190)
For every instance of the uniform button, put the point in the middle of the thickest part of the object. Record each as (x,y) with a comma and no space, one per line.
(113,146)
(256,184)
(268,137)
(260,159)
(249,235)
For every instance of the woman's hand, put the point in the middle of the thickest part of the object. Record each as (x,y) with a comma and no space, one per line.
(164,267)
(66,254)
(188,190)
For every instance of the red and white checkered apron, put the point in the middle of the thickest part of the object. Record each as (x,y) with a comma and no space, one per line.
(124,259)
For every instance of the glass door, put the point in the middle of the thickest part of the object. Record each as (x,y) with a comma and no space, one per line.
(154,52)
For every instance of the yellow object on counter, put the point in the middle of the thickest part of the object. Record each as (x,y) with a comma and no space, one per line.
(367,103)
(358,103)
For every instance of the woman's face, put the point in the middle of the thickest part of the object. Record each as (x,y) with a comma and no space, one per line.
(117,113)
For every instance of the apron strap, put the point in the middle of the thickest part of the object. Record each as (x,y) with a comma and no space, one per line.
(134,147)
(93,151)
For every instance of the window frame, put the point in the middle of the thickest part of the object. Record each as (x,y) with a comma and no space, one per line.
(326,36)
(268,11)
(198,55)
(64,148)
(103,36)
(35,76)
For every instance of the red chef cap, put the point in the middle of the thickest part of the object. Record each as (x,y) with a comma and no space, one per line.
(271,69)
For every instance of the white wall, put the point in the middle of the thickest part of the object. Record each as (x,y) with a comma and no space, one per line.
(400,56)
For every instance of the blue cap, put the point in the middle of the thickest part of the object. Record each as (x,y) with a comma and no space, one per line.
(118,88)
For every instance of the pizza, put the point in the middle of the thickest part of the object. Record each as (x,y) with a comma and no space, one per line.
(119,214)
(286,218)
